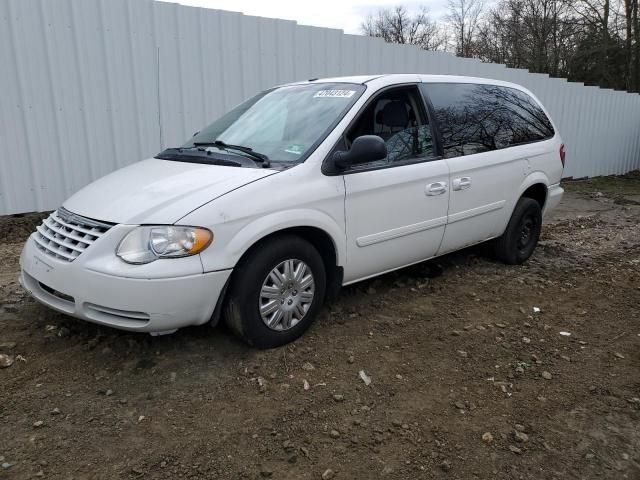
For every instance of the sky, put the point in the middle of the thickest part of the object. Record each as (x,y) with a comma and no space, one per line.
(342,14)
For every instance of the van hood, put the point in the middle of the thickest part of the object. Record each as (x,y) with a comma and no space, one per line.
(158,191)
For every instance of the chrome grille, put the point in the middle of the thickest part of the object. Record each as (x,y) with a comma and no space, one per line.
(65,235)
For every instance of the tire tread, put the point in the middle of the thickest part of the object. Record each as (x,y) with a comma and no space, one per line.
(504,246)
(238,315)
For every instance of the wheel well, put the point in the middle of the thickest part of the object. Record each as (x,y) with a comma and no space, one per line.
(538,192)
(316,237)
(325,246)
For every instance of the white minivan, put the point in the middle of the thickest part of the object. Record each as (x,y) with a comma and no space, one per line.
(297,191)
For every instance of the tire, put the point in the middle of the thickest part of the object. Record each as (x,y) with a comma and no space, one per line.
(254,277)
(520,238)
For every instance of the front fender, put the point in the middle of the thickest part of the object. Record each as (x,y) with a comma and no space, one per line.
(238,243)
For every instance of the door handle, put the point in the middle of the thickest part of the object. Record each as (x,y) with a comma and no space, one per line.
(461,183)
(436,188)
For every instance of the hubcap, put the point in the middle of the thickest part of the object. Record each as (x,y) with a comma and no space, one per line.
(286,295)
(526,232)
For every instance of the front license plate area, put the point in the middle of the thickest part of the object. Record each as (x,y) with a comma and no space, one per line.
(40,267)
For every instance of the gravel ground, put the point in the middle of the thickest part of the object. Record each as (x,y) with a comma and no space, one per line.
(467,378)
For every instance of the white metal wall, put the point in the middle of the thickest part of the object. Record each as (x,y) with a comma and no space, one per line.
(87,86)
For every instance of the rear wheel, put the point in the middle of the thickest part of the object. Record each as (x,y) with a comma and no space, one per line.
(520,238)
(276,292)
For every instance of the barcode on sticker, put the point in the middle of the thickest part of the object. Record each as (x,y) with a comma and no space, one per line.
(335,93)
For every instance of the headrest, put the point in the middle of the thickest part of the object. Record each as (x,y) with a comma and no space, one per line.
(394,114)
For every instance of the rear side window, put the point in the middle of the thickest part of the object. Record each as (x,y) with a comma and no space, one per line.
(480,118)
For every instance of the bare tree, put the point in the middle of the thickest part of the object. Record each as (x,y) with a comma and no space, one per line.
(592,41)
(398,25)
(464,18)
(596,14)
(628,12)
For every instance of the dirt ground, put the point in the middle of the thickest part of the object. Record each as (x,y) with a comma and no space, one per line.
(467,380)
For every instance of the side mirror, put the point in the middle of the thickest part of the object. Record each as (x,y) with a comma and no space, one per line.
(367,148)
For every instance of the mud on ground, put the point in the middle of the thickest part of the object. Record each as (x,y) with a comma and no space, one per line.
(467,381)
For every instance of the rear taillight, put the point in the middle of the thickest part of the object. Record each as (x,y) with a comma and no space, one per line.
(563,154)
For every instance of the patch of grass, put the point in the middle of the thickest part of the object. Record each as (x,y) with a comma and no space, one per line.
(628,184)
(523,365)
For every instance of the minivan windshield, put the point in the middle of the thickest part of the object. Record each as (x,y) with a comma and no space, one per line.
(284,124)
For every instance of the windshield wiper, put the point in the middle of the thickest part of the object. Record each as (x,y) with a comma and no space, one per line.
(266,163)
(175,153)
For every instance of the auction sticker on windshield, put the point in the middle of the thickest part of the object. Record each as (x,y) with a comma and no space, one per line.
(335,93)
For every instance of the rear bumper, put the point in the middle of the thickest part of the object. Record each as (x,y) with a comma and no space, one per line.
(134,304)
(554,196)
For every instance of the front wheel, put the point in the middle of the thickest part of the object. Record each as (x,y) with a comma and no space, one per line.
(520,238)
(277,290)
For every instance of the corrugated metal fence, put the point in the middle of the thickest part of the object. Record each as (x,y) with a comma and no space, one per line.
(88,86)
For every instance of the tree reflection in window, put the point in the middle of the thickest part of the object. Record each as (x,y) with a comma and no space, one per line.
(477,118)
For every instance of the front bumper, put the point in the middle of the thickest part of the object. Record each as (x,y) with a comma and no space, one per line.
(136,304)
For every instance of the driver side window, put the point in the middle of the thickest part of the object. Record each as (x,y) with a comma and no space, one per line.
(398,116)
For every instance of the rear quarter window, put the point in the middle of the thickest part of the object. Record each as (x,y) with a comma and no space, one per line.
(475,118)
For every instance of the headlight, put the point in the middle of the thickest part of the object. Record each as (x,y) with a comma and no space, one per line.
(146,244)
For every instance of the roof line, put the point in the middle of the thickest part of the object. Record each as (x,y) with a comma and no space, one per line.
(373,78)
